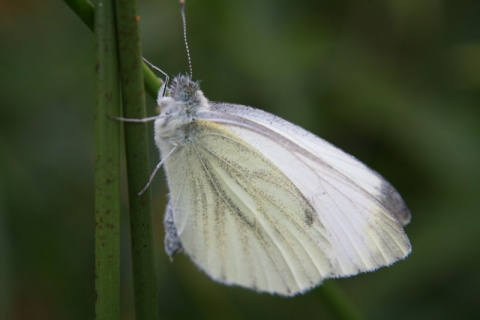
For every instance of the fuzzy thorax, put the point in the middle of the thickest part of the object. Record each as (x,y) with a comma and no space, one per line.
(178,110)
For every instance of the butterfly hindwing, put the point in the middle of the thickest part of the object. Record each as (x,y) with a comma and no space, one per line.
(241,219)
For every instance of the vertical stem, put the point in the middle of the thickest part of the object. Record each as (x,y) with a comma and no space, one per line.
(85,12)
(107,167)
(133,95)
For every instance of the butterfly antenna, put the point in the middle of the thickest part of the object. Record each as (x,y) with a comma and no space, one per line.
(184,23)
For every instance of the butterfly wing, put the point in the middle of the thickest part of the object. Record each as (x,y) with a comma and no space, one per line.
(361,211)
(240,219)
(262,203)
(298,140)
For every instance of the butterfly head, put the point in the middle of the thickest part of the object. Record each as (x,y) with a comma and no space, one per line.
(184,89)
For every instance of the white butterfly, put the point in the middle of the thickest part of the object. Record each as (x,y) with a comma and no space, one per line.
(261,203)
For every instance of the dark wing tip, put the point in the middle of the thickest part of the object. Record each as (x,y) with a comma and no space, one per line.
(394,203)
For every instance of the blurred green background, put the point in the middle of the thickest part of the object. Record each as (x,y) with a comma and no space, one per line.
(395,83)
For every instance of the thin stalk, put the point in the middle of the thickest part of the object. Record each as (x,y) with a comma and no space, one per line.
(107,166)
(85,12)
(138,171)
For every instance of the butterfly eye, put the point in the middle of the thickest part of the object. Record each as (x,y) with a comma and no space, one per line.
(185,94)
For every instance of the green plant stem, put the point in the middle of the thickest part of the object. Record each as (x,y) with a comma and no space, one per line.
(107,167)
(85,12)
(138,171)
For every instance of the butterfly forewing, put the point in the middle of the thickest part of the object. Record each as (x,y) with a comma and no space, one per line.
(320,151)
(357,206)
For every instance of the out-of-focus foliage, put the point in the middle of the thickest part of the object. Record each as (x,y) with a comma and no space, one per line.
(395,83)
